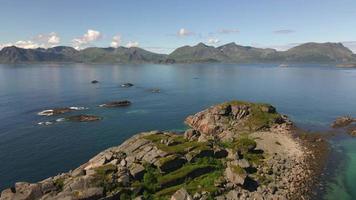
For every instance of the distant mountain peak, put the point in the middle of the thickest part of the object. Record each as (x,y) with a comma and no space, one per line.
(231,53)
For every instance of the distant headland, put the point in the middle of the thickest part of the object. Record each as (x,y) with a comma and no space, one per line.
(201,53)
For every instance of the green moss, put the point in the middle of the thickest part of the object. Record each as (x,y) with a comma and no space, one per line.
(59,183)
(205,182)
(169,158)
(167,192)
(105,179)
(181,147)
(105,169)
(264,180)
(255,158)
(237,169)
(181,173)
(244,143)
(258,118)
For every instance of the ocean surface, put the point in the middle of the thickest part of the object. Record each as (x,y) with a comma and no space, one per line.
(312,95)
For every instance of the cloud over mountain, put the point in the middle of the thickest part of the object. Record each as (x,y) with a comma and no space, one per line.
(116,41)
(89,37)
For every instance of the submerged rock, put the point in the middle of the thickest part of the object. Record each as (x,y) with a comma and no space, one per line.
(343,121)
(126,85)
(94,82)
(116,104)
(155,90)
(59,111)
(83,118)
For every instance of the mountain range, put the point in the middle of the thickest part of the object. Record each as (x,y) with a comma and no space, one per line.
(200,53)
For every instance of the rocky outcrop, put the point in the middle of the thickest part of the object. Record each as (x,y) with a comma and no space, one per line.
(347,123)
(126,85)
(57,111)
(116,104)
(343,121)
(83,118)
(226,120)
(230,152)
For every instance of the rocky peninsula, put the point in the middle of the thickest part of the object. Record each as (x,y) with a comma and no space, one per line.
(234,150)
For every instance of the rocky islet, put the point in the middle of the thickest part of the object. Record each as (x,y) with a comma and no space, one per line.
(234,150)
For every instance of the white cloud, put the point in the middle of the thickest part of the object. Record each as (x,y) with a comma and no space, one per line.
(351,45)
(184,32)
(47,40)
(27,44)
(213,41)
(53,39)
(5,45)
(116,41)
(284,31)
(132,44)
(89,37)
(228,31)
(39,41)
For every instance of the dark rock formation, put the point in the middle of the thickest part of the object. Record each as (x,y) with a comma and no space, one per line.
(83,118)
(116,104)
(126,85)
(343,121)
(57,111)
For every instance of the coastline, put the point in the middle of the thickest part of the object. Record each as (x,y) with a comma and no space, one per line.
(283,164)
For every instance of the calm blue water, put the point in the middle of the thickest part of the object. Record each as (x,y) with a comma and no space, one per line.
(312,95)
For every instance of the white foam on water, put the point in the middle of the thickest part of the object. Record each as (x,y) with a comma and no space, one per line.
(60,119)
(45,123)
(78,108)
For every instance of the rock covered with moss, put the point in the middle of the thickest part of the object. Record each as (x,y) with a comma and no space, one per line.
(229,153)
(228,119)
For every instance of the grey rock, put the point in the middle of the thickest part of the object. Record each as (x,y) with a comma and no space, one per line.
(235,177)
(181,194)
(137,170)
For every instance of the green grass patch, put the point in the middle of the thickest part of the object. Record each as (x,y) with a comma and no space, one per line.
(105,169)
(59,183)
(258,118)
(104,178)
(243,144)
(237,169)
(181,147)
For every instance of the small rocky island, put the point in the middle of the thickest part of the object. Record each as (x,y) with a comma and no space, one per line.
(234,150)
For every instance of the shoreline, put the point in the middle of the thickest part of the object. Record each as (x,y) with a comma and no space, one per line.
(278,157)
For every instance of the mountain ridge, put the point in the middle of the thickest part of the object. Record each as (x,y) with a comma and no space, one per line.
(199,53)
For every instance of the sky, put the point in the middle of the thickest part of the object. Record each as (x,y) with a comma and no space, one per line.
(163,25)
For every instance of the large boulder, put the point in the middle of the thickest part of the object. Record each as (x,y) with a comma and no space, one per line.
(343,121)
(225,121)
(181,194)
(137,170)
(116,104)
(22,191)
(83,118)
(235,174)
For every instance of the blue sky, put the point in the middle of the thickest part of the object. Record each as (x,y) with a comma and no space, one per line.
(161,26)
